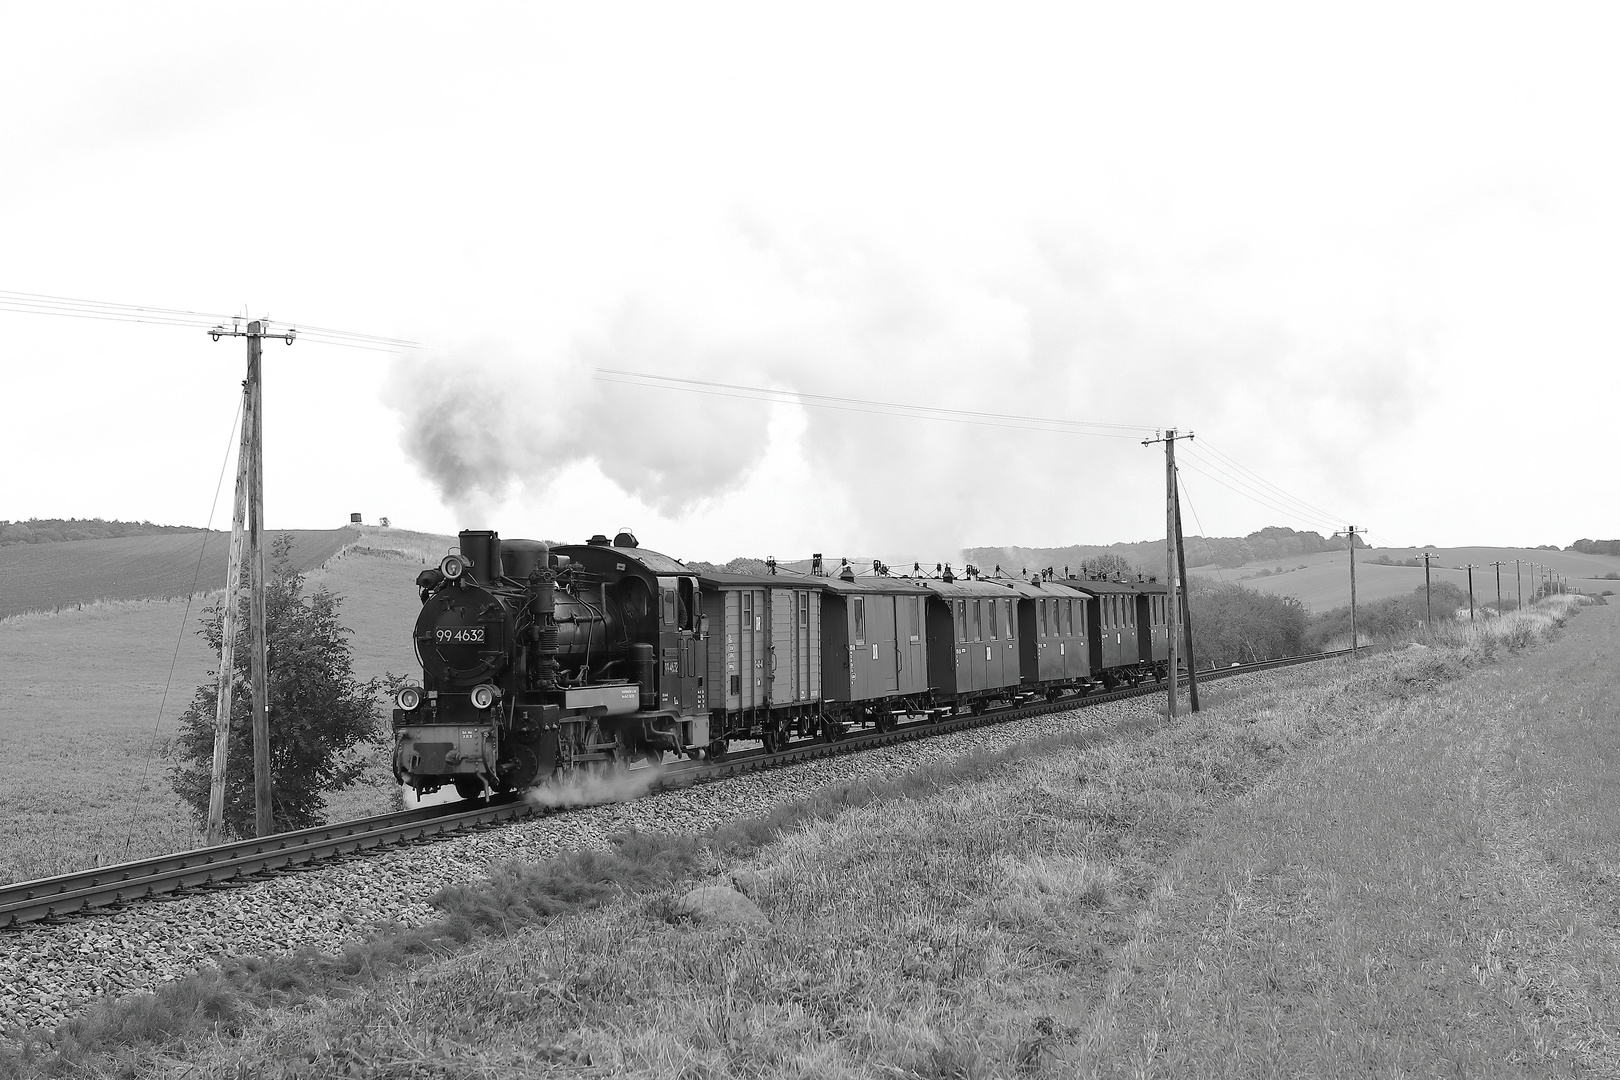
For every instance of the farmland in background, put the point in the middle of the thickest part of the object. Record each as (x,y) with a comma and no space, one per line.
(48,577)
(1322,581)
(87,722)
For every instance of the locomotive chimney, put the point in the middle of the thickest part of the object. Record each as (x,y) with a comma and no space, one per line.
(482,548)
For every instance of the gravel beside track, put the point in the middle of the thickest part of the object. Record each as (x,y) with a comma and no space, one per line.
(49,973)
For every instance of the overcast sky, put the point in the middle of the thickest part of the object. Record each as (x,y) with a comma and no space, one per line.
(1366,252)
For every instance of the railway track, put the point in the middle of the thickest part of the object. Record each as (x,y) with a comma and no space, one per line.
(230,865)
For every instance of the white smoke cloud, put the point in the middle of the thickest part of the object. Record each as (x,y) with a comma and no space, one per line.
(1035,321)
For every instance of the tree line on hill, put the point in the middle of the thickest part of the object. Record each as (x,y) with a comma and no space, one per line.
(52,530)
(1263,545)
(1596,547)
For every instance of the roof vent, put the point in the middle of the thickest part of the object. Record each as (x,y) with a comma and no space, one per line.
(598,541)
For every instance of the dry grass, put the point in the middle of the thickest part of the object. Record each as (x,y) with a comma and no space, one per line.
(1397,866)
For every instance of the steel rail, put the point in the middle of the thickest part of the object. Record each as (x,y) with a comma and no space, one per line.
(66,894)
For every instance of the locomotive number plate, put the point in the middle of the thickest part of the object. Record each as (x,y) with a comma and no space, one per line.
(460,635)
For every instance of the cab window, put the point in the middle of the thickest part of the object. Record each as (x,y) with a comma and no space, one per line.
(683,603)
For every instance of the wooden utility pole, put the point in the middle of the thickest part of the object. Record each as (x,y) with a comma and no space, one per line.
(1470,569)
(1355,637)
(1172,539)
(227,645)
(256,332)
(1518,582)
(1498,565)
(1186,607)
(1428,597)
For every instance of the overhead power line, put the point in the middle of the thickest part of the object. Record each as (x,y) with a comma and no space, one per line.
(886,408)
(25,303)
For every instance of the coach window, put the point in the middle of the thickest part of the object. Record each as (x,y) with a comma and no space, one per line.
(993,621)
(860,620)
(747,612)
(916,618)
(961,620)
(804,609)
(978,621)
(1012,620)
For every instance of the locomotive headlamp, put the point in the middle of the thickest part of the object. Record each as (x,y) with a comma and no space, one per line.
(483,696)
(453,567)
(408,698)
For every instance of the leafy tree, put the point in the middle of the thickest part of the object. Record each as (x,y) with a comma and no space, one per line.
(1108,565)
(322,721)
(1235,624)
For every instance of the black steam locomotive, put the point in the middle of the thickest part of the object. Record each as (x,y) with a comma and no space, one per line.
(542,660)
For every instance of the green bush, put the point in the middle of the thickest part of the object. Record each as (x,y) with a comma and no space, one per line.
(320,715)
(1234,624)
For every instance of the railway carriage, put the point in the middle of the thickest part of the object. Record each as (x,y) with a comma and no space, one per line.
(875,650)
(1152,620)
(765,655)
(973,654)
(1111,610)
(1053,628)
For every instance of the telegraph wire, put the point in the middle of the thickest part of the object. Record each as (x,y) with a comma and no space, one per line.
(26,303)
(1202,534)
(882,408)
(1283,510)
(1234,463)
(1282,504)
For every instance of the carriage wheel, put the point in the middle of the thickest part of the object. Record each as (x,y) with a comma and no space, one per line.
(770,740)
(717,750)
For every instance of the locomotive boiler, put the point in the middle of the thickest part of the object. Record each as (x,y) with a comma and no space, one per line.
(537,659)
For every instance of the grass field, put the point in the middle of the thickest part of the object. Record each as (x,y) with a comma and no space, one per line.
(1402,866)
(1322,581)
(50,577)
(85,780)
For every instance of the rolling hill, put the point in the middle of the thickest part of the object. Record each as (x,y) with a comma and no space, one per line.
(49,577)
(1322,581)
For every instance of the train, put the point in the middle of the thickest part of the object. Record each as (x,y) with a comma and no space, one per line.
(541,661)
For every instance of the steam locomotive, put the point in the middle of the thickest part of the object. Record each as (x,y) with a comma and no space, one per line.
(539,660)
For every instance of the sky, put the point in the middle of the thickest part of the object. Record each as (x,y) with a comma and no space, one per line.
(1364,254)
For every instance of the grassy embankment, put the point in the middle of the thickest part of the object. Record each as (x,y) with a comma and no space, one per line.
(87,721)
(1397,866)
